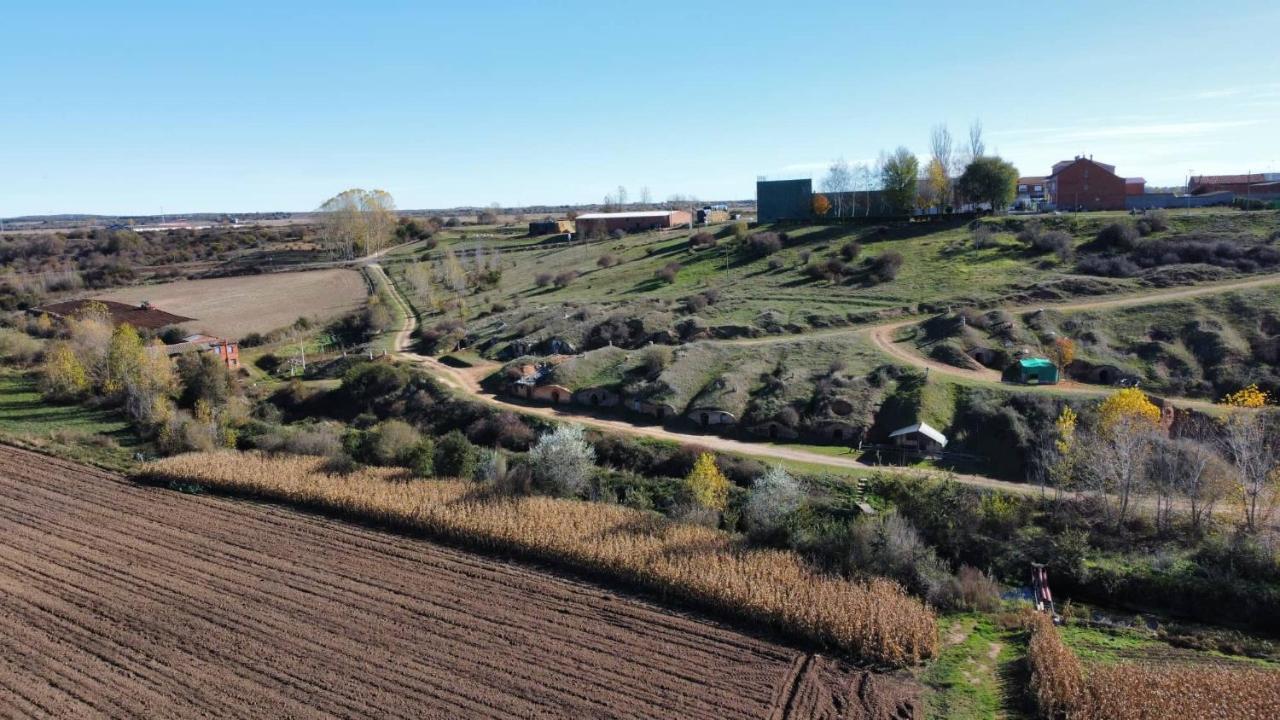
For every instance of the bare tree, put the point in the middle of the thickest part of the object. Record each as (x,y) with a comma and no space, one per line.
(622,196)
(977,146)
(646,198)
(1251,441)
(1114,463)
(941,165)
(358,220)
(837,184)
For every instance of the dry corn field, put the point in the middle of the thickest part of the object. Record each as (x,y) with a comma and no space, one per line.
(874,621)
(119,600)
(1064,688)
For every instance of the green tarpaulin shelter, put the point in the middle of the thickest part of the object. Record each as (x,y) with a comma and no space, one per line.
(1032,371)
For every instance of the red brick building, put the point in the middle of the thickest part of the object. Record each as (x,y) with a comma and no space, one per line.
(638,221)
(1084,184)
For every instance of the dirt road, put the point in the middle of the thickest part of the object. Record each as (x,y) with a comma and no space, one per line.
(118,600)
(467,381)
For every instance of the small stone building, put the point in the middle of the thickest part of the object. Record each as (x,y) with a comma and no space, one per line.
(707,417)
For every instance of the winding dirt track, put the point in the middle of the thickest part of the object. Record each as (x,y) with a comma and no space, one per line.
(467,381)
(118,600)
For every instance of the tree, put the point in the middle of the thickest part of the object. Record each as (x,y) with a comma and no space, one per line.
(977,146)
(563,462)
(1064,351)
(1114,457)
(358,221)
(63,376)
(622,196)
(838,182)
(455,456)
(821,206)
(708,487)
(773,497)
(937,185)
(941,161)
(1124,405)
(991,180)
(899,174)
(1250,440)
(646,197)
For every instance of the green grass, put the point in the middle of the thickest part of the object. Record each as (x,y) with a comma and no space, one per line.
(980,672)
(97,436)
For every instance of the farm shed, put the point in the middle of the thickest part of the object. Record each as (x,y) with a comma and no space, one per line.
(638,221)
(596,397)
(920,436)
(1032,371)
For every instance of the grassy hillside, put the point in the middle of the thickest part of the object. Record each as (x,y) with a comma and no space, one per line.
(614,290)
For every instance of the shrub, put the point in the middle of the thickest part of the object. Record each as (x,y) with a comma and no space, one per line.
(1056,242)
(976,590)
(776,263)
(455,456)
(702,240)
(850,250)
(884,267)
(505,429)
(1158,219)
(983,236)
(421,460)
(391,442)
(542,279)
(773,497)
(607,261)
(1117,236)
(563,463)
(18,347)
(695,303)
(656,358)
(668,272)
(618,234)
(563,279)
(762,244)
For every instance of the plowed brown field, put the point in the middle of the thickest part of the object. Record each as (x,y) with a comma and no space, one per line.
(124,601)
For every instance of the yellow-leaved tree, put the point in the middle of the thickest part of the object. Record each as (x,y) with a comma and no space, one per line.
(1248,397)
(62,375)
(1064,351)
(1114,458)
(1126,406)
(708,486)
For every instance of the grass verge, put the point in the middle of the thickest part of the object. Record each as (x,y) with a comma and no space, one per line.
(94,436)
(875,621)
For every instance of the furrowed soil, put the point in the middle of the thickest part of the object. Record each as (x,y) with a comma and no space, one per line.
(118,600)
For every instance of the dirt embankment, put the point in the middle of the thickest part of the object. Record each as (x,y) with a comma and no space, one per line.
(125,601)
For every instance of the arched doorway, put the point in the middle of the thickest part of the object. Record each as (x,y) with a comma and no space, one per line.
(555,397)
(706,420)
(837,434)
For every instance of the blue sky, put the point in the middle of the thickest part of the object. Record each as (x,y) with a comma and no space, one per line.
(130,107)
